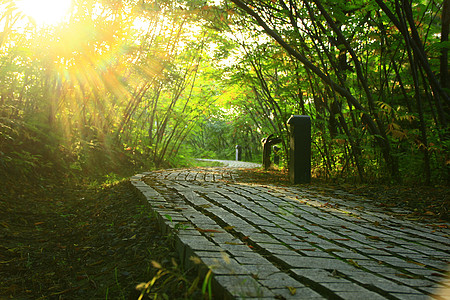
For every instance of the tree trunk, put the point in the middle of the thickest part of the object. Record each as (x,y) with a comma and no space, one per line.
(444,38)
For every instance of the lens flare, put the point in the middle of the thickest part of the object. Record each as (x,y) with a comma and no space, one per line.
(45,12)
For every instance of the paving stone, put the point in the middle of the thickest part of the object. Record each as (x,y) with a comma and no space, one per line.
(357,295)
(315,253)
(195,242)
(365,250)
(396,261)
(188,230)
(261,271)
(350,255)
(401,277)
(433,263)
(275,231)
(280,280)
(262,238)
(303,293)
(380,282)
(248,230)
(421,271)
(252,260)
(283,251)
(410,296)
(235,249)
(242,287)
(297,261)
(224,266)
(210,254)
(224,238)
(296,241)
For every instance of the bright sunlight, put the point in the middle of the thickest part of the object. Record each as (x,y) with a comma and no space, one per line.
(45,12)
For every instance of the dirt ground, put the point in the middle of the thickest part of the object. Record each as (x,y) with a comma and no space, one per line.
(83,242)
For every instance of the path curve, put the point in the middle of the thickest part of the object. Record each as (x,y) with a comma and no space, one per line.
(233,163)
(271,242)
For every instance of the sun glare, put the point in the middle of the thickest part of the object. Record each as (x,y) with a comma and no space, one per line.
(45,12)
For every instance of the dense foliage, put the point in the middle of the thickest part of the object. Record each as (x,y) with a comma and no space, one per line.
(130,84)
(373,75)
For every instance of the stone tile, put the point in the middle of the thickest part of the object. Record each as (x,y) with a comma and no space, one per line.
(380,269)
(261,271)
(262,238)
(275,231)
(280,280)
(412,282)
(241,287)
(358,295)
(252,260)
(350,255)
(302,293)
(210,254)
(380,282)
(410,296)
(224,266)
(222,237)
(282,251)
(396,261)
(235,249)
(314,263)
(317,253)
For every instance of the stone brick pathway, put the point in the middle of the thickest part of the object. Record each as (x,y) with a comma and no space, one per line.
(269,242)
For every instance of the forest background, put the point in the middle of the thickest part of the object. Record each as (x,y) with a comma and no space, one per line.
(122,86)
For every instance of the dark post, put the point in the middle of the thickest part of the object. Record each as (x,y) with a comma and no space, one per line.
(276,155)
(300,149)
(238,152)
(266,152)
(267,149)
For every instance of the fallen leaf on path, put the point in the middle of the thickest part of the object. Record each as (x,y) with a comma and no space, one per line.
(292,290)
(333,250)
(438,274)
(416,263)
(232,243)
(354,263)
(404,275)
(208,230)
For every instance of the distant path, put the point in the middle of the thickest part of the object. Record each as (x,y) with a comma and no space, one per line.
(271,242)
(233,163)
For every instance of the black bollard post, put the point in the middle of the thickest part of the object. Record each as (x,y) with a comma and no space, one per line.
(300,149)
(276,155)
(238,152)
